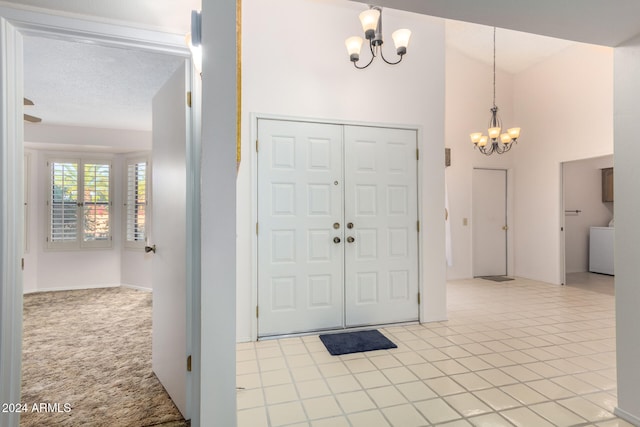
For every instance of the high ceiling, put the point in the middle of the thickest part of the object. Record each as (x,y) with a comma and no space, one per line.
(515,51)
(89,85)
(607,23)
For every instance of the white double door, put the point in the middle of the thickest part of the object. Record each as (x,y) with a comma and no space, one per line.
(337,226)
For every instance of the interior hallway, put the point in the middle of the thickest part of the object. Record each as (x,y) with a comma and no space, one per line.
(521,353)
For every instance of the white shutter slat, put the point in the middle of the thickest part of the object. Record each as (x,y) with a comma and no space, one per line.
(64,202)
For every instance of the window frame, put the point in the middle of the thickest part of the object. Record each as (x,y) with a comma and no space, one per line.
(136,244)
(79,243)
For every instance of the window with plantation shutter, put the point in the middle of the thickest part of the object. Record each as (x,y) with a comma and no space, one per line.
(97,202)
(137,192)
(79,204)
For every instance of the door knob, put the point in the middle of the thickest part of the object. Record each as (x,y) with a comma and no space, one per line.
(350,225)
(351,239)
(148,249)
(336,240)
(336,225)
(505,228)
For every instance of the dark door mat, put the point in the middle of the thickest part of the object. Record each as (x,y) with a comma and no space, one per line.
(497,278)
(356,342)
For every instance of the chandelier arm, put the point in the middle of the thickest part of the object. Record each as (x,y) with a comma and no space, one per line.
(373,56)
(364,66)
(388,62)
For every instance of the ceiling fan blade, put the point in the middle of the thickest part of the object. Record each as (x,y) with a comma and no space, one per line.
(32,119)
(27,101)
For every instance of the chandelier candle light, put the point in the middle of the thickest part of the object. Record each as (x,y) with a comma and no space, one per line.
(495,125)
(372,25)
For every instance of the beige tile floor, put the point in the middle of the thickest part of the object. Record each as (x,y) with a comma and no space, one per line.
(519,353)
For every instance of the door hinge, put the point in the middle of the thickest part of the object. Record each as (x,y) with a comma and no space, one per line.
(417,154)
(189,99)
(22,264)
(418,226)
(256,228)
(257,311)
(256,145)
(189,363)
(418,298)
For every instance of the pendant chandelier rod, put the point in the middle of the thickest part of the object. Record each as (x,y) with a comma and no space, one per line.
(496,142)
(494,66)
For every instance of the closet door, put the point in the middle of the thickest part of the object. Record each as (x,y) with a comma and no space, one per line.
(381,237)
(300,230)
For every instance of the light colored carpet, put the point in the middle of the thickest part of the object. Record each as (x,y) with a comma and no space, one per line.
(91,349)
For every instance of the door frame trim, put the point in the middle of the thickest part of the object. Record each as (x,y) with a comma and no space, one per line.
(253,136)
(50,24)
(508,218)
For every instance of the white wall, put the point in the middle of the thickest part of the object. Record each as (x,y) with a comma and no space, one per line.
(555,128)
(295,64)
(582,182)
(564,107)
(627,234)
(54,137)
(49,270)
(68,269)
(469,96)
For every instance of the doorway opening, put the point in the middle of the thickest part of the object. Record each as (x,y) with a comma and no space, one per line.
(490,223)
(587,223)
(91,268)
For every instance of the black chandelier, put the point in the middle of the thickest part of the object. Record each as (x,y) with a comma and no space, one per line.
(507,138)
(371,21)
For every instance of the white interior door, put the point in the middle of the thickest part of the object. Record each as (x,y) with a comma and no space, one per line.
(300,230)
(168,234)
(381,216)
(489,202)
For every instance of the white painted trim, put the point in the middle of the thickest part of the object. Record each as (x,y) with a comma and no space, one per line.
(509,215)
(72,288)
(635,420)
(11,216)
(253,136)
(80,30)
(97,31)
(136,287)
(562,238)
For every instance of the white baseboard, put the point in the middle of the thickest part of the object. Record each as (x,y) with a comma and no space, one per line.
(243,339)
(71,288)
(621,413)
(137,288)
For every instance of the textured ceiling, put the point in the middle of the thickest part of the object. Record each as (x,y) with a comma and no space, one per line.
(79,84)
